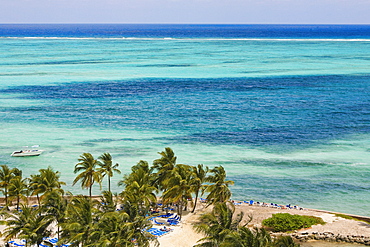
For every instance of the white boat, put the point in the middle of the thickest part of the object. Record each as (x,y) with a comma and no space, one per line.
(34,151)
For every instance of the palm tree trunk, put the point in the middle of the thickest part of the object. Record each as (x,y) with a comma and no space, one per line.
(38,200)
(180,209)
(90,192)
(108,183)
(196,200)
(6,196)
(6,199)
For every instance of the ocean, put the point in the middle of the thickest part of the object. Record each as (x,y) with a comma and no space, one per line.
(284,108)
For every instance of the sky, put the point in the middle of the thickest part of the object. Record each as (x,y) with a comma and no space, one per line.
(186,11)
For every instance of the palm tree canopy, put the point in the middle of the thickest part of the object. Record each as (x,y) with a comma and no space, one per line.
(107,166)
(87,167)
(219,190)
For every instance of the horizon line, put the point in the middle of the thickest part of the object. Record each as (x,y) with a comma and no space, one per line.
(170,23)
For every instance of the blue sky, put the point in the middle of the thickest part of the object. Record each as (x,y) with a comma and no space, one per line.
(186,11)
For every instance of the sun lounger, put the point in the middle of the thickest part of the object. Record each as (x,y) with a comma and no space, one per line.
(158,223)
(166,215)
(177,217)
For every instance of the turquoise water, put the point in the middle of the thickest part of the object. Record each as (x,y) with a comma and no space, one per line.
(287,118)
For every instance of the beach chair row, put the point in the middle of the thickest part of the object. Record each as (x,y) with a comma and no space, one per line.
(271,205)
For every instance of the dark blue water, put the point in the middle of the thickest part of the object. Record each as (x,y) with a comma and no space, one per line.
(185,31)
(243,111)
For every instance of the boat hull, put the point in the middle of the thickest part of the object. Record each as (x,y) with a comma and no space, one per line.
(26,153)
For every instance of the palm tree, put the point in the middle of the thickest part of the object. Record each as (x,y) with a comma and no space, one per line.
(45,182)
(179,187)
(55,205)
(79,222)
(29,224)
(89,175)
(34,186)
(219,191)
(199,177)
(139,189)
(107,167)
(164,166)
(244,237)
(50,180)
(6,174)
(218,225)
(167,160)
(118,229)
(108,204)
(18,188)
(285,241)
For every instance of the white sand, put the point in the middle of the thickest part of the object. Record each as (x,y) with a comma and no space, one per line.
(185,236)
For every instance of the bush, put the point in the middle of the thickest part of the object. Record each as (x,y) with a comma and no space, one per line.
(283,222)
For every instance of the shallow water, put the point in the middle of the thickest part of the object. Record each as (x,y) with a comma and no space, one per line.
(288,119)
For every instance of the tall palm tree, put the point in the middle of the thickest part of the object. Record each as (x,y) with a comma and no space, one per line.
(197,182)
(167,160)
(219,190)
(34,186)
(18,188)
(179,187)
(50,180)
(107,167)
(6,174)
(138,187)
(164,166)
(55,205)
(89,175)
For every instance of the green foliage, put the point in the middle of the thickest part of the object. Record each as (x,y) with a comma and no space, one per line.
(219,190)
(86,222)
(218,225)
(284,241)
(283,222)
(27,223)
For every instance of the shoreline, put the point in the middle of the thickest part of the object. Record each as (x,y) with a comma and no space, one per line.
(336,230)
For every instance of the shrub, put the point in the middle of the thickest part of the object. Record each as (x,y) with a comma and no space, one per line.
(283,222)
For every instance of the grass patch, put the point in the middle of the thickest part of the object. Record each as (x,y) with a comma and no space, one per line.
(344,216)
(284,222)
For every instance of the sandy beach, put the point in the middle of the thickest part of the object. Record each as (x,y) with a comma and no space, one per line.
(185,236)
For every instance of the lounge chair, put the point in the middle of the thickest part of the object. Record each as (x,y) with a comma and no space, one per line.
(158,223)
(177,217)
(173,223)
